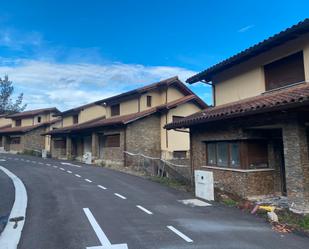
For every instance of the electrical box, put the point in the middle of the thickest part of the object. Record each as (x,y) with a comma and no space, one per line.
(87,158)
(204,184)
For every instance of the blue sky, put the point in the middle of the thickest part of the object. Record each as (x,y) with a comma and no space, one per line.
(67,53)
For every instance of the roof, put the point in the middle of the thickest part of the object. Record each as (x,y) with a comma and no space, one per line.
(130,94)
(32,112)
(122,120)
(270,101)
(269,43)
(23,129)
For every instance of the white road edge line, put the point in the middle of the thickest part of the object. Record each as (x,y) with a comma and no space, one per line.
(180,234)
(87,180)
(102,187)
(100,234)
(10,237)
(77,175)
(144,209)
(120,196)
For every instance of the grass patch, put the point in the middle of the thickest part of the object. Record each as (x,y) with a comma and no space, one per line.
(168,182)
(294,220)
(230,202)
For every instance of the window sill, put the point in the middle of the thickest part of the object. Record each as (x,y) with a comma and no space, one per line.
(238,170)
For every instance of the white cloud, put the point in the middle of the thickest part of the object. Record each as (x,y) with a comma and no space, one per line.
(17,40)
(246,28)
(66,85)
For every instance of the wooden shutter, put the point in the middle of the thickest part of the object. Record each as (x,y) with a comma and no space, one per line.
(112,140)
(115,110)
(285,71)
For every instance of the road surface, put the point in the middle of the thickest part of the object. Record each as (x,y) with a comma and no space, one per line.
(77,206)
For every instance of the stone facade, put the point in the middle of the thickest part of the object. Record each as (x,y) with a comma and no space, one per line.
(58,152)
(31,141)
(295,138)
(287,133)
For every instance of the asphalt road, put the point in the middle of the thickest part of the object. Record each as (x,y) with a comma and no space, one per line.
(127,209)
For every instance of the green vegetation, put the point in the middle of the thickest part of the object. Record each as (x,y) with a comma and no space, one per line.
(230,202)
(168,182)
(294,220)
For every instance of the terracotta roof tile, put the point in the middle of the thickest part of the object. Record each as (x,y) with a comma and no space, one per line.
(32,112)
(277,99)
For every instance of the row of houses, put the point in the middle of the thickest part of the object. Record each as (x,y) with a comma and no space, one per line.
(254,139)
(130,122)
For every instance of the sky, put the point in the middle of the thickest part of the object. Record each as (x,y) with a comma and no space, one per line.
(68,53)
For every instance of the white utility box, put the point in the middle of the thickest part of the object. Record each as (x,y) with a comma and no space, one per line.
(204,184)
(44,153)
(87,158)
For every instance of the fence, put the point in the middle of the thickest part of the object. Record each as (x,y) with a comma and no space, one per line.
(158,167)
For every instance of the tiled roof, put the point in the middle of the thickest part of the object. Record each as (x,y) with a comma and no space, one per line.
(32,112)
(273,41)
(278,99)
(121,120)
(23,129)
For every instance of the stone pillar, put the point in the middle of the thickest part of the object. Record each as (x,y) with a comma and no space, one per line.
(94,145)
(5,143)
(68,147)
(296,165)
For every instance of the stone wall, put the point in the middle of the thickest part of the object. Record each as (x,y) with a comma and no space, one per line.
(296,155)
(112,155)
(57,152)
(33,140)
(244,183)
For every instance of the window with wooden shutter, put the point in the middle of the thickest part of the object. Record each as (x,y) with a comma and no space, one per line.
(18,122)
(286,71)
(115,110)
(15,140)
(112,140)
(180,154)
(75,119)
(59,144)
(149,99)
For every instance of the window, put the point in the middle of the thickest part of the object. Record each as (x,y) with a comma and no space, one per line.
(180,154)
(285,71)
(234,155)
(257,154)
(59,144)
(149,98)
(223,154)
(176,118)
(249,154)
(115,110)
(39,119)
(112,140)
(15,140)
(75,119)
(18,122)
(211,154)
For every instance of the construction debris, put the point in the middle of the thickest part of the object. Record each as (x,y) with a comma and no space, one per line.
(281,228)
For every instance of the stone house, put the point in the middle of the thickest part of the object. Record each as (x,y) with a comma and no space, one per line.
(130,122)
(255,138)
(23,130)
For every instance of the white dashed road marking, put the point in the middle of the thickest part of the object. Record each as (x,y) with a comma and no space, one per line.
(62,169)
(180,234)
(102,187)
(144,209)
(120,196)
(70,172)
(47,164)
(77,175)
(87,180)
(55,166)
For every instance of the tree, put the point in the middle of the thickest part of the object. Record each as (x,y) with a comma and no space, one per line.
(7,105)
